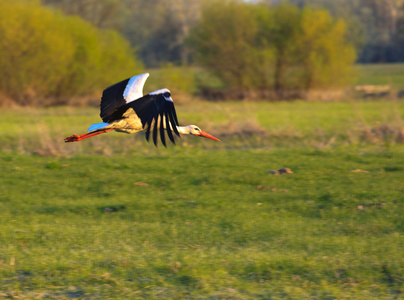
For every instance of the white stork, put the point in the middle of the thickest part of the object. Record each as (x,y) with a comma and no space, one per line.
(125,109)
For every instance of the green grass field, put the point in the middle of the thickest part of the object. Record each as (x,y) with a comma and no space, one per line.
(381,74)
(189,80)
(113,217)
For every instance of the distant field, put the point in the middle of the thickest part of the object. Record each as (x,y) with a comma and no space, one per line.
(188,79)
(113,217)
(381,74)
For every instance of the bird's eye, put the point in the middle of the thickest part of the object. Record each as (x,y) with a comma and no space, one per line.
(167,94)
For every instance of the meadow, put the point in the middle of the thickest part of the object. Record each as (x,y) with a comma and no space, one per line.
(113,217)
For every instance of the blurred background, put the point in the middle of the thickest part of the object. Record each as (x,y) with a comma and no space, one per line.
(55,52)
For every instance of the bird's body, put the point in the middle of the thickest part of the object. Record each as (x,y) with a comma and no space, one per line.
(129,123)
(125,109)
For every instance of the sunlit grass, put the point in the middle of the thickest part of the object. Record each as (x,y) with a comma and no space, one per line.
(238,124)
(113,217)
(200,226)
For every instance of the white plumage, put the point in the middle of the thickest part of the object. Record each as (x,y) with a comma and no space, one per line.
(134,89)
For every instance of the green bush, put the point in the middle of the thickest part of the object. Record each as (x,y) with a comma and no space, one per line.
(279,47)
(323,51)
(225,41)
(46,54)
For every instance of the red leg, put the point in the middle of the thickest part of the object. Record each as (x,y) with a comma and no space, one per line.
(76,138)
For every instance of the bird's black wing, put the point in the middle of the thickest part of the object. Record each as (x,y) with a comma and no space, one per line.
(156,114)
(112,99)
(120,94)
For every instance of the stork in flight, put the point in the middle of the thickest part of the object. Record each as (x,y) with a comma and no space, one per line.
(125,109)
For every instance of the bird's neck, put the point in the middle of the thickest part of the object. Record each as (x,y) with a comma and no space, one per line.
(183,129)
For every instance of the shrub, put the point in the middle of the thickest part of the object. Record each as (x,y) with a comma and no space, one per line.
(225,41)
(46,54)
(324,53)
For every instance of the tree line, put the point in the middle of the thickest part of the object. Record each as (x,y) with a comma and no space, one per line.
(377,26)
(280,48)
(64,48)
(157,28)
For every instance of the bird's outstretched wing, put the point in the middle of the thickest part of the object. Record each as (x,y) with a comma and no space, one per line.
(120,94)
(156,112)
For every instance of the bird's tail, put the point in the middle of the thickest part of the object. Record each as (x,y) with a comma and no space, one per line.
(97,126)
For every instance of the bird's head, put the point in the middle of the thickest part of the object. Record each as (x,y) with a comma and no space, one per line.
(195,130)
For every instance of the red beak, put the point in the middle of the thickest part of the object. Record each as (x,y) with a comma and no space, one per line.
(207,135)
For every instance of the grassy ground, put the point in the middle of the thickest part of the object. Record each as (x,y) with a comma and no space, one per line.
(239,124)
(113,217)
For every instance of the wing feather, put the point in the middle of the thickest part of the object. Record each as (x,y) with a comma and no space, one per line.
(169,131)
(173,119)
(162,134)
(148,125)
(121,93)
(155,131)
